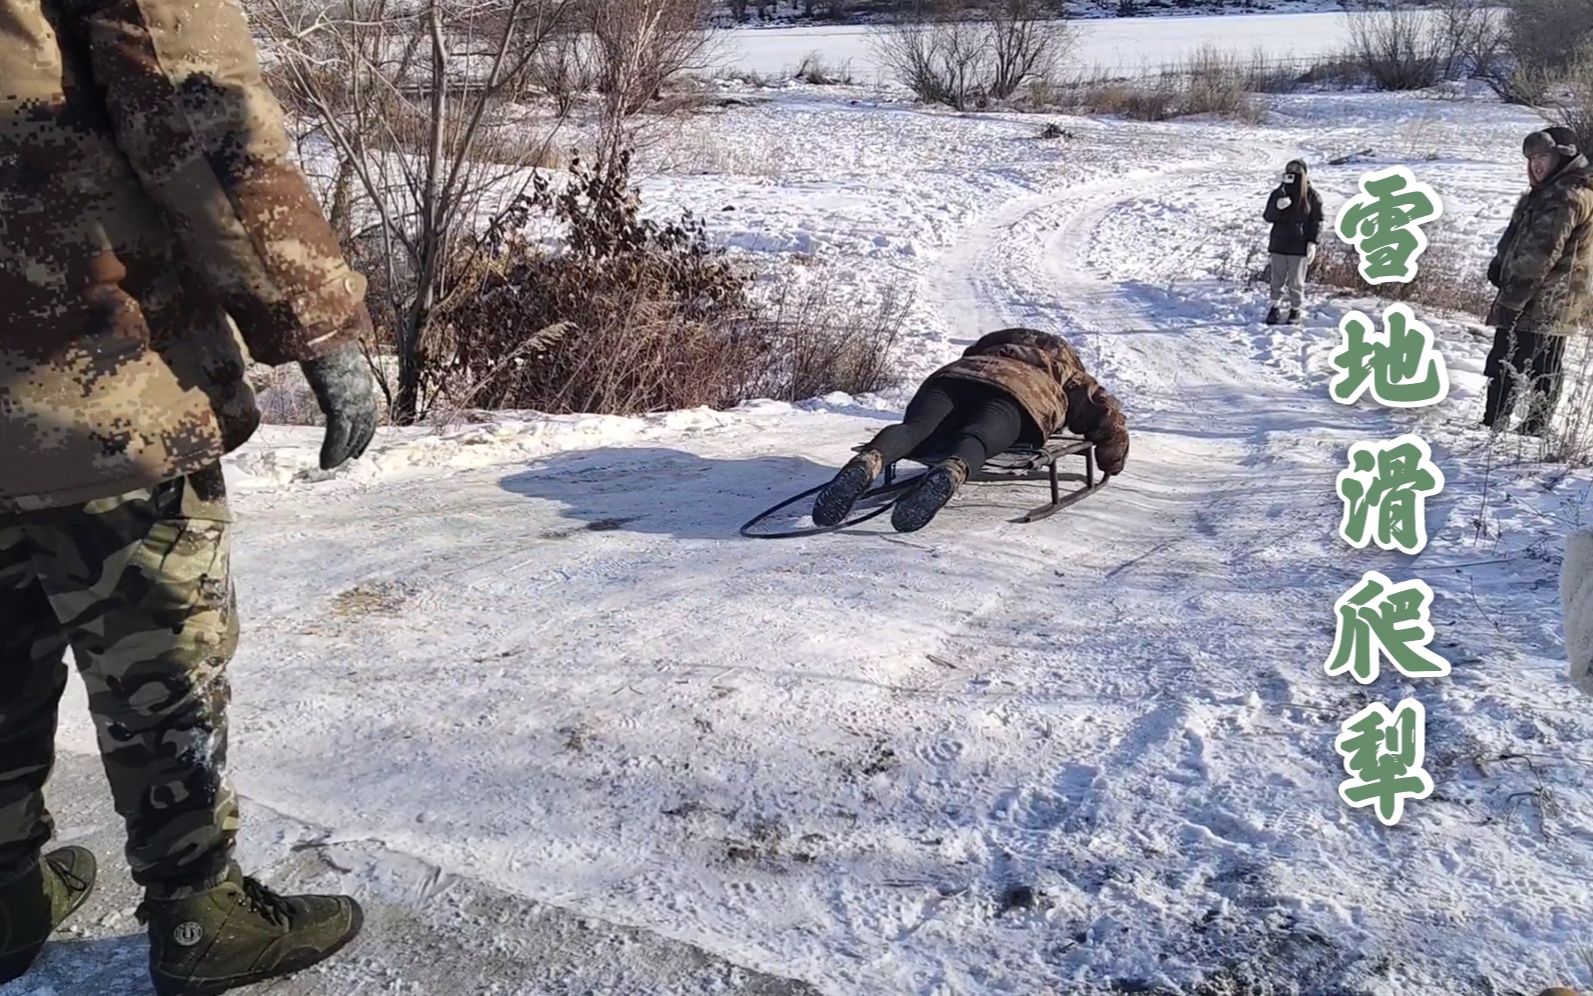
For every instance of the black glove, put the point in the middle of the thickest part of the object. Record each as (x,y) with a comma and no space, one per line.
(346,393)
(1494,272)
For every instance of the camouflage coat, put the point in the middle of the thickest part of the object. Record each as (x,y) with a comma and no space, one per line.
(1046,377)
(1544,265)
(146,198)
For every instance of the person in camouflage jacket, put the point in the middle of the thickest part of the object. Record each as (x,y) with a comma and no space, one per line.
(1015,385)
(1544,272)
(149,218)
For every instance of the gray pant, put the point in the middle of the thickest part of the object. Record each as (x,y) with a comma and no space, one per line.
(1288,274)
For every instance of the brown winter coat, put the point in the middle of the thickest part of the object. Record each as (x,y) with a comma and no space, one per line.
(1544,266)
(146,196)
(1046,377)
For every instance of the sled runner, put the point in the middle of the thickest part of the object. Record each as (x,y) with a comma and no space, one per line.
(1021,463)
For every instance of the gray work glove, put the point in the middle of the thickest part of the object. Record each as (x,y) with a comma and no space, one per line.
(346,393)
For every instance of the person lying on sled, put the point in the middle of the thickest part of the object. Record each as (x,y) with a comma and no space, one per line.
(1013,386)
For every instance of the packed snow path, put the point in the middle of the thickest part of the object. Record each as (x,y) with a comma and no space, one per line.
(1093,754)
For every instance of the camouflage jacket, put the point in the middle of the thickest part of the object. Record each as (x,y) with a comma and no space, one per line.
(1046,377)
(146,198)
(1544,264)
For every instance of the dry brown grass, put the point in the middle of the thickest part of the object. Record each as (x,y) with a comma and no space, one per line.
(632,316)
(1447,279)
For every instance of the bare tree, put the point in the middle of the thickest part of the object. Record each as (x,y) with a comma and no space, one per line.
(1397,44)
(950,52)
(1026,44)
(1543,42)
(422,106)
(1472,32)
(644,43)
(1574,107)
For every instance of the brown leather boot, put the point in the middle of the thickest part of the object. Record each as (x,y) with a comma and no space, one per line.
(920,505)
(833,504)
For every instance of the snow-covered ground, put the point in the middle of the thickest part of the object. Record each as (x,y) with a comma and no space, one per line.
(1122,45)
(536,652)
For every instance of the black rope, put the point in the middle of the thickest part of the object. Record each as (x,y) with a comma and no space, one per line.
(894,488)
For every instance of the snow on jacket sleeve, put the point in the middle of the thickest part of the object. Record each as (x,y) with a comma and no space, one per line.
(203,132)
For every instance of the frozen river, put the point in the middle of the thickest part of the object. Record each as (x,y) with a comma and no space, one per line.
(1120,44)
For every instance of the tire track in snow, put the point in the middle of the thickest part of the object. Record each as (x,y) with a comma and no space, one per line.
(1143,776)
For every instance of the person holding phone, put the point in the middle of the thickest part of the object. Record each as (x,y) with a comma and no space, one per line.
(1294,210)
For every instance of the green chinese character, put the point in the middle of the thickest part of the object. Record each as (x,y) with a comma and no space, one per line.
(1394,480)
(1384,224)
(1379,619)
(1399,363)
(1383,751)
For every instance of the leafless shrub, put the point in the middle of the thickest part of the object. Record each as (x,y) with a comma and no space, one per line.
(1215,83)
(1026,41)
(1398,44)
(634,316)
(1474,35)
(944,60)
(1447,278)
(1573,105)
(564,68)
(1138,100)
(1570,441)
(816,71)
(643,44)
(1264,75)
(815,341)
(1533,46)
(1209,82)
(966,55)
(1339,73)
(1541,40)
(419,106)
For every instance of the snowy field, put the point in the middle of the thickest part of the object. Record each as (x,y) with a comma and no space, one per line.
(536,653)
(1120,45)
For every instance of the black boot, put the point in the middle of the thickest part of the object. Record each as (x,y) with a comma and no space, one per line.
(919,506)
(32,906)
(838,497)
(240,933)
(1273,315)
(1294,316)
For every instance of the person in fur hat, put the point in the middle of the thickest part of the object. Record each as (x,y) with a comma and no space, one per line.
(1294,210)
(1544,271)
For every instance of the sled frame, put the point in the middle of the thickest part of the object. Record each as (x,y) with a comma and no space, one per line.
(1029,463)
(1021,463)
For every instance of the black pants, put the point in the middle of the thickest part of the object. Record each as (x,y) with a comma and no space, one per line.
(1524,359)
(964,418)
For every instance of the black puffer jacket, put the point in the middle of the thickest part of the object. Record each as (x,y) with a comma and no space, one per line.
(1296,226)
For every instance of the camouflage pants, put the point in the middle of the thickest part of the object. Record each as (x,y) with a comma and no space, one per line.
(139,588)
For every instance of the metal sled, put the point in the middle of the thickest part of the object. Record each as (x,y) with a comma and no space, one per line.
(1021,463)
(1029,463)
